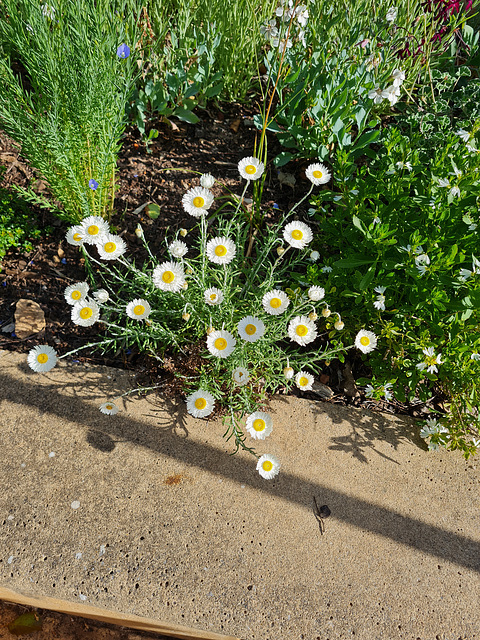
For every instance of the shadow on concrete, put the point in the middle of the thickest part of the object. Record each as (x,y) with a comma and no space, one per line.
(103,432)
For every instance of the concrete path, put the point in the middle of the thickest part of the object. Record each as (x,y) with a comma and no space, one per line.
(171,527)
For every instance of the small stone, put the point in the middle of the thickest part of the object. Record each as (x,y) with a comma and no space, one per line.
(51,454)
(29,318)
(75,504)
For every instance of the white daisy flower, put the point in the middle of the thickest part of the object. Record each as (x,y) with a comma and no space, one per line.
(475,356)
(178,249)
(288,372)
(391,14)
(268,466)
(213,296)
(200,404)
(169,276)
(431,361)
(297,234)
(42,358)
(75,292)
(221,343)
(251,168)
(250,329)
(365,341)
(138,309)
(302,330)
(301,14)
(314,256)
(241,376)
(85,313)
(111,247)
(221,250)
(282,44)
(317,174)
(259,425)
(376,95)
(207,180)
(74,235)
(275,302)
(316,293)
(398,77)
(108,408)
(93,228)
(197,200)
(304,380)
(101,296)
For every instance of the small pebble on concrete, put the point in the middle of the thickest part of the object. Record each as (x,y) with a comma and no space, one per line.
(75,504)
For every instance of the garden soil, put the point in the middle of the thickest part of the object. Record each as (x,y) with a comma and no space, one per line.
(147,513)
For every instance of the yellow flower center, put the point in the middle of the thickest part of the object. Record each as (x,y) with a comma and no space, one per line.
(250,169)
(275,303)
(317,174)
(220,250)
(76,295)
(303,381)
(220,344)
(267,465)
(364,341)
(42,358)
(297,234)
(86,313)
(139,309)
(301,330)
(250,329)
(200,403)
(168,276)
(213,297)
(109,247)
(199,202)
(77,237)
(259,424)
(108,407)
(240,374)
(92,230)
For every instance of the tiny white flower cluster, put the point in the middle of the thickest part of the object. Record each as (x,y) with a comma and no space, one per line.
(287,13)
(392,92)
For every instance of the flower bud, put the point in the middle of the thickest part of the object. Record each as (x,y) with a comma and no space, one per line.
(280,250)
(185,316)
(326,312)
(210,330)
(288,372)
(139,231)
(313,316)
(314,256)
(183,232)
(185,286)
(339,325)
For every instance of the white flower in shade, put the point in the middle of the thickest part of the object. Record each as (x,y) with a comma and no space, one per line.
(74,235)
(93,228)
(455,192)
(207,180)
(42,358)
(259,425)
(251,168)
(48,11)
(200,404)
(282,44)
(316,293)
(85,313)
(327,269)
(464,135)
(197,200)
(421,262)
(302,330)
(138,309)
(221,250)
(391,14)
(398,77)
(443,182)
(221,343)
(101,296)
(431,361)
(75,292)
(366,341)
(268,466)
(339,325)
(241,376)
(108,408)
(269,29)
(392,94)
(475,356)
(301,14)
(304,380)
(169,276)
(314,256)
(317,174)
(404,165)
(275,302)
(178,249)
(250,329)
(111,247)
(297,234)
(369,391)
(380,301)
(376,95)
(213,296)
(288,372)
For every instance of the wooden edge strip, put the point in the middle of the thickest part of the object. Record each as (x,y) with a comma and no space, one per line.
(110,617)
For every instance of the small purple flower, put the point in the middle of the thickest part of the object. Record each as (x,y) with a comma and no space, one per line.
(123,51)
(64,261)
(93,184)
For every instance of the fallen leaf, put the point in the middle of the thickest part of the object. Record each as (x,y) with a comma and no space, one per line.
(235,124)
(26,623)
(29,318)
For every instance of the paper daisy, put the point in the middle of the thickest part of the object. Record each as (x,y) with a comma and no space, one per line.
(302,330)
(297,234)
(200,404)
(42,358)
(138,309)
(207,180)
(111,247)
(74,235)
(221,250)
(108,408)
(169,276)
(304,380)
(75,292)
(268,466)
(178,249)
(366,341)
(250,329)
(221,343)
(316,293)
(196,201)
(241,376)
(213,296)
(101,296)
(317,174)
(259,425)
(251,168)
(275,302)
(85,313)
(93,228)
